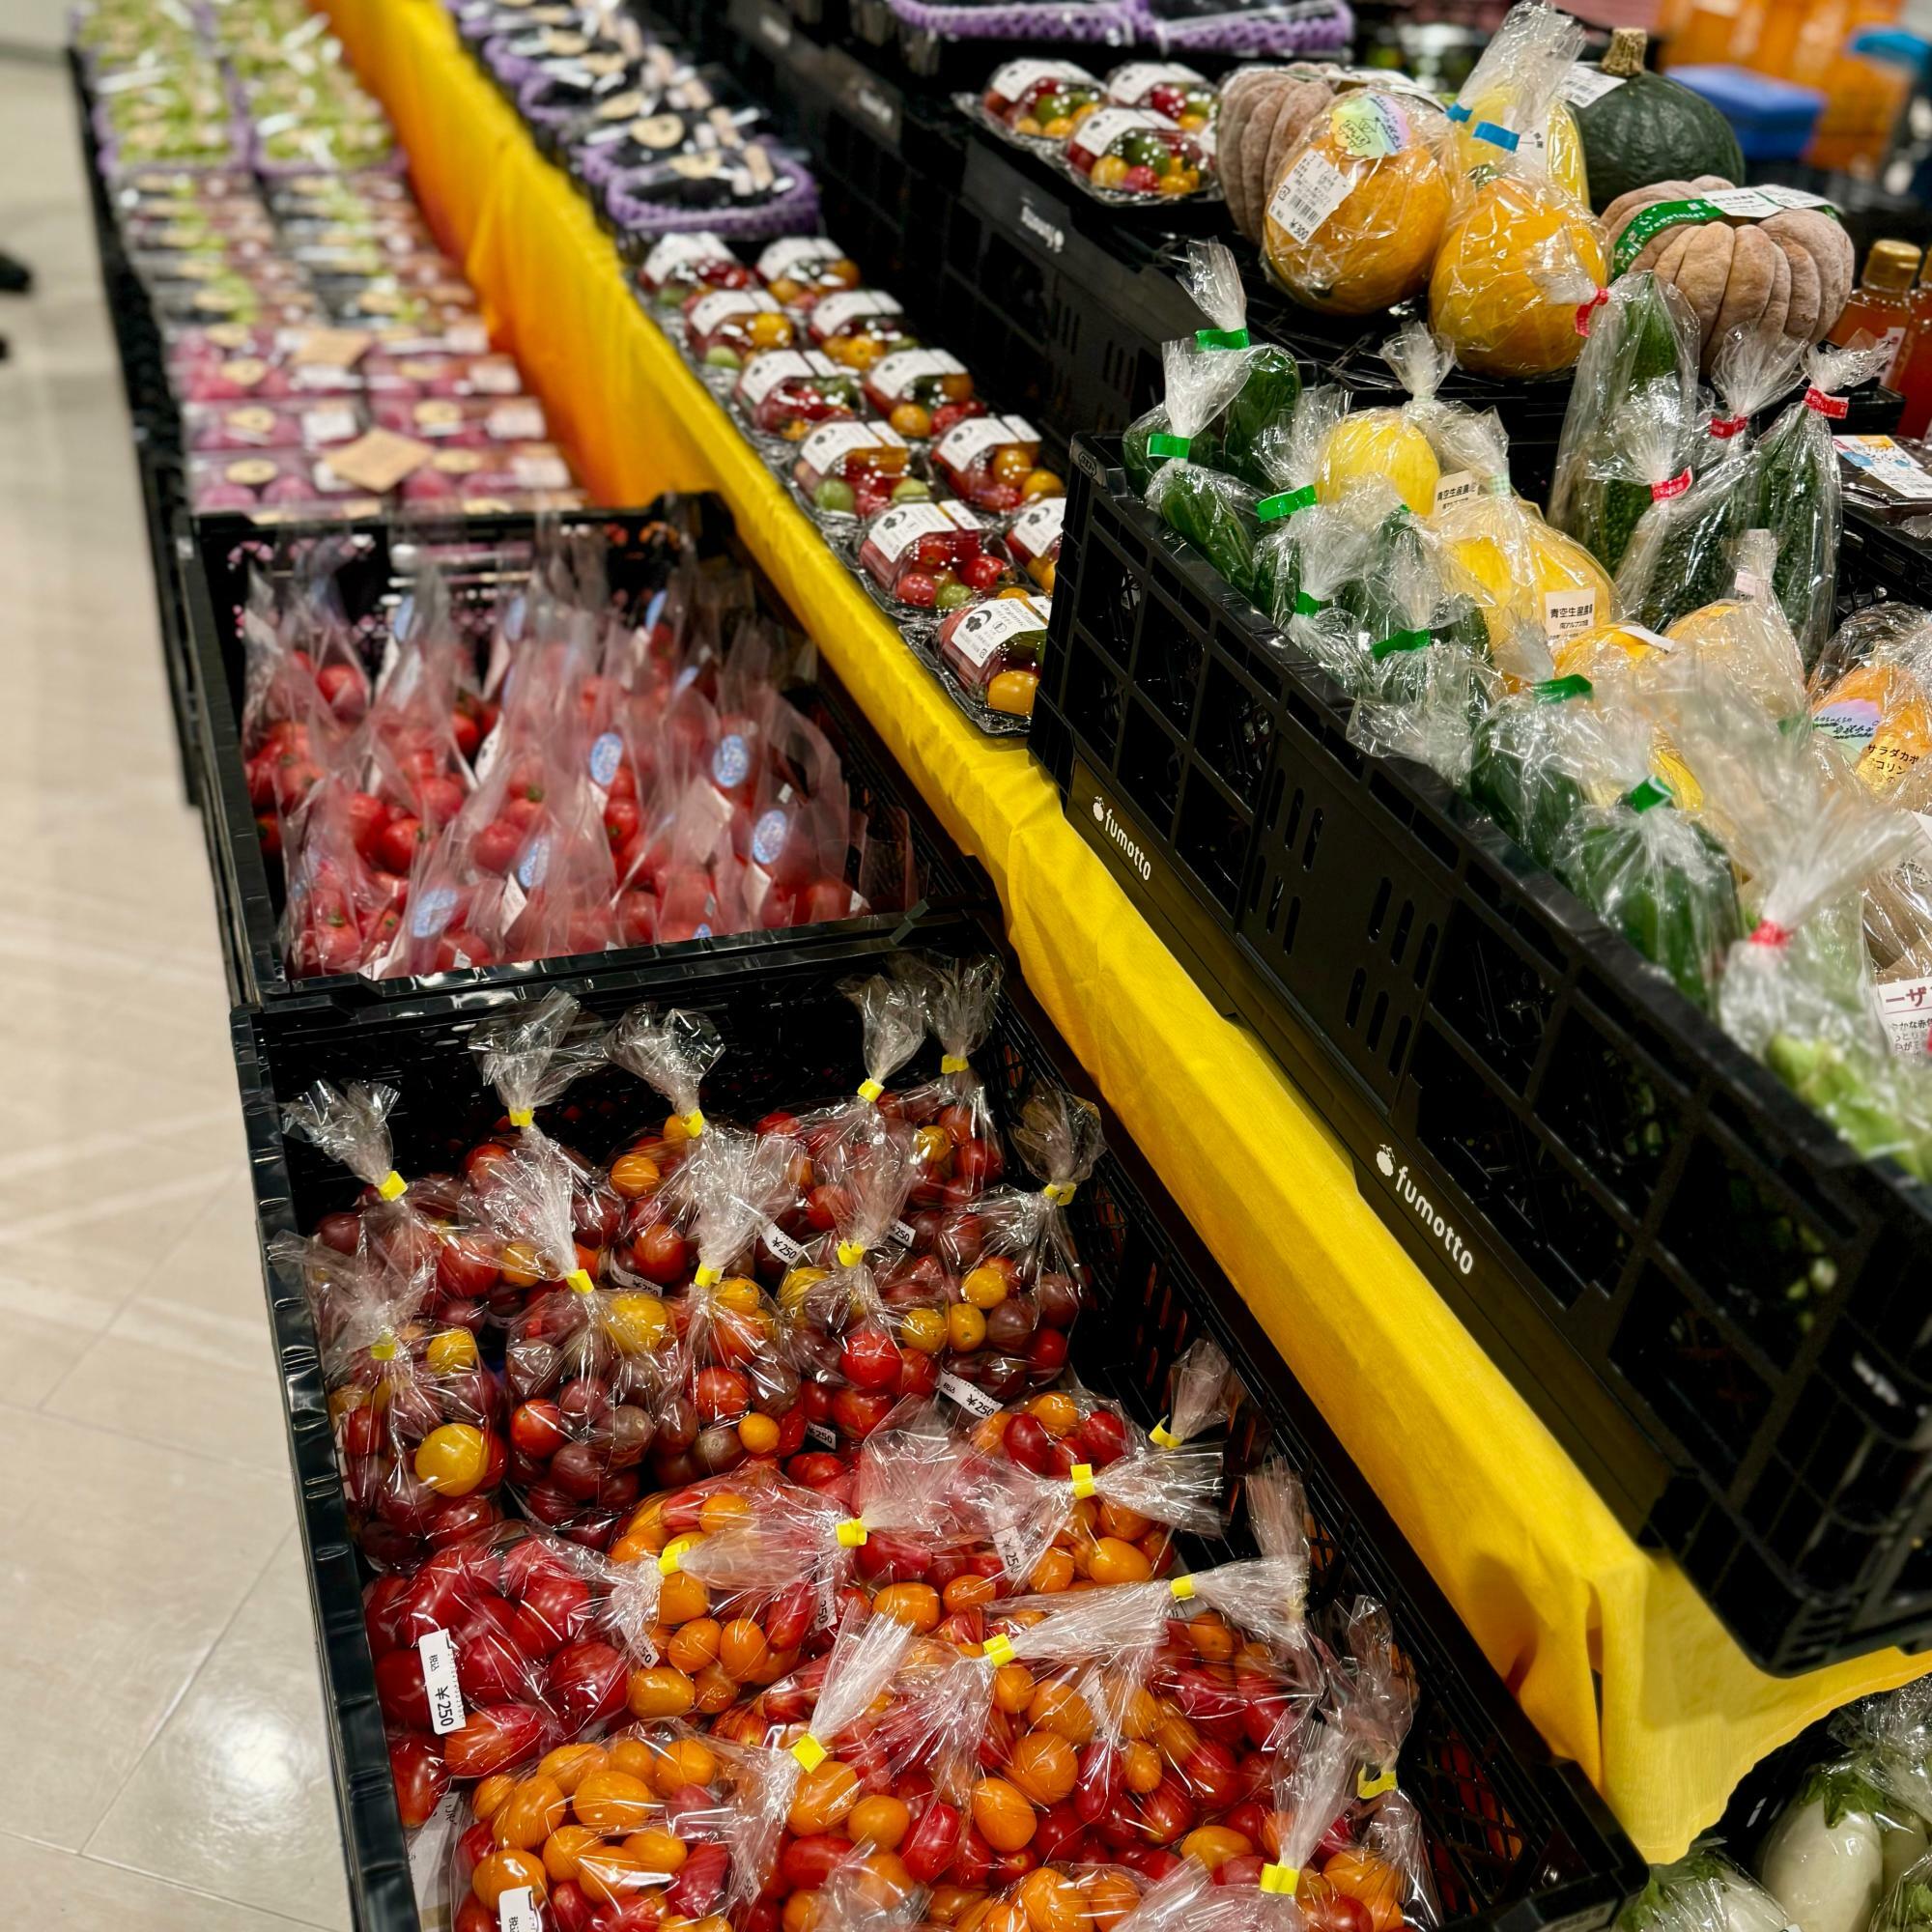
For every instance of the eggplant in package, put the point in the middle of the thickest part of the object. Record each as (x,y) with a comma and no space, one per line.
(750,193)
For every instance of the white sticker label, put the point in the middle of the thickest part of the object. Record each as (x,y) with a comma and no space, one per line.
(439,1668)
(466,338)
(764,373)
(981,633)
(496,376)
(1654,638)
(1010,81)
(1792,197)
(1880,461)
(683,251)
(834,312)
(334,422)
(1310,192)
(1010,1548)
(721,305)
(1750,586)
(781,1244)
(517,1910)
(974,1400)
(902,1234)
(1037,527)
(519,421)
(1582,85)
(1129,84)
(896,373)
(1746,203)
(1904,1006)
(966,441)
(1098,132)
(1456,488)
(536,469)
(828,446)
(795,253)
(821,1432)
(1568,613)
(894,531)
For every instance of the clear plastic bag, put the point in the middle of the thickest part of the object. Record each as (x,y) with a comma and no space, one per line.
(1214,512)
(1021,1278)
(1406,598)
(1335,540)
(957,1141)
(1643,343)
(673,1052)
(1799,498)
(1400,444)
(1433,721)
(1702,1891)
(1287,457)
(1677,557)
(1529,754)
(532,1054)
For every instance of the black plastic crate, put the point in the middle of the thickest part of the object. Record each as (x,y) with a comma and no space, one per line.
(249,887)
(1518,1839)
(1703,1291)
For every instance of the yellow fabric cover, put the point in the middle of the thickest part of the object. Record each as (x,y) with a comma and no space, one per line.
(1611,1651)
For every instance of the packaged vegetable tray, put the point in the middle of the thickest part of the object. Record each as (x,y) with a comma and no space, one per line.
(788,392)
(723,328)
(1187,99)
(859,327)
(845,469)
(799,269)
(682,265)
(993,464)
(921,392)
(994,651)
(1034,537)
(1132,155)
(920,558)
(1041,101)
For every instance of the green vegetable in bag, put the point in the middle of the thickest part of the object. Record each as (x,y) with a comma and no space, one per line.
(1521,772)
(1213,512)
(1286,455)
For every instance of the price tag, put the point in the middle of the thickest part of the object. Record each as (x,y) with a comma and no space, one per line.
(969,1395)
(764,373)
(818,1433)
(1010,1548)
(331,422)
(1582,85)
(830,443)
(967,440)
(517,1910)
(896,529)
(1037,527)
(1879,460)
(1456,488)
(1792,197)
(849,305)
(1746,203)
(1010,81)
(1098,132)
(1568,613)
(988,628)
(897,373)
(1904,1006)
(439,1668)
(1310,192)
(708,312)
(678,251)
(786,257)
(781,1244)
(1130,85)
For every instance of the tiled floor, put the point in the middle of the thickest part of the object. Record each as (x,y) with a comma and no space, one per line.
(162,1762)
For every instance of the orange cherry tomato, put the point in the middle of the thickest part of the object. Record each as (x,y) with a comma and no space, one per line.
(720,1509)
(716,1691)
(1211,1638)
(742,1648)
(661,1692)
(694,1645)
(949,1903)
(662,1852)
(1372,1882)
(529,1814)
(564,1847)
(801,1911)
(760,1434)
(633,1757)
(1013,1688)
(914,1603)
(1116,1562)
(967,1592)
(1059,1708)
(1055,1412)
(1110,1897)
(824,1798)
(1115,1519)
(612,1800)
(635,1175)
(487,1800)
(1052,1573)
(611,1874)
(1002,1815)
(506,1871)
(569,1765)
(1043,1767)
(1051,1902)
(985,1286)
(885,1821)
(1140,1767)
(680,1598)
(1213,1845)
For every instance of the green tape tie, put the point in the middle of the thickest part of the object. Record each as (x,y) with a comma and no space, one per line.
(1559,689)
(1221,338)
(1654,219)
(1164,444)
(1400,640)
(1306,606)
(1652,791)
(1272,510)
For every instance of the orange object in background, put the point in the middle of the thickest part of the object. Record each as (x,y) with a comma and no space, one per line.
(1911,373)
(1880,305)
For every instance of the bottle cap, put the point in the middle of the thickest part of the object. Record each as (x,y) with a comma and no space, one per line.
(1892,265)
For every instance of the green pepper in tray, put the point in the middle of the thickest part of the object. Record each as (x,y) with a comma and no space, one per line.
(1213,512)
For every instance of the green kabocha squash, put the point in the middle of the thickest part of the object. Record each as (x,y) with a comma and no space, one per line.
(1649,128)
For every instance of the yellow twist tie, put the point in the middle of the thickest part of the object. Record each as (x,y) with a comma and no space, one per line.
(391,1186)
(382,1349)
(578,1280)
(1183,1589)
(1163,1438)
(523,1116)
(1280,1880)
(869,1089)
(809,1752)
(706,1276)
(694,1123)
(671,1560)
(851,1254)
(1059,1192)
(1374,1787)
(1082,1481)
(997,1650)
(955,1063)
(851,1533)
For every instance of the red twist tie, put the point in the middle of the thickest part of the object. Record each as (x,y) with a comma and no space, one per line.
(1770,933)
(1584,310)
(1833,407)
(1675,485)
(1723,428)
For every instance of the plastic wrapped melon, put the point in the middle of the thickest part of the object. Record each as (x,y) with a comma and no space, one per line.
(1356,214)
(1493,94)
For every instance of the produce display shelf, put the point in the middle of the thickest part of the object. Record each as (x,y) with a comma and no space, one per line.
(1603,1642)
(638,560)
(1517,1838)
(1617,1199)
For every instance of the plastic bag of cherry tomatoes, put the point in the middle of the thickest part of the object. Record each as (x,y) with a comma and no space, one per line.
(955,1141)
(495,1649)
(1014,1255)
(673,1052)
(534,1052)
(589,1368)
(652,1823)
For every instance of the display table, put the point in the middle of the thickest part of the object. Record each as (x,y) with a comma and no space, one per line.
(1610,1651)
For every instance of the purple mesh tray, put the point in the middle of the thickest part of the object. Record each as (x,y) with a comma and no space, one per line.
(108,144)
(1109,22)
(545,114)
(1274,31)
(795,212)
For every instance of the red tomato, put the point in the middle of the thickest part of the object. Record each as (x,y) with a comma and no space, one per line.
(420,1776)
(494,1738)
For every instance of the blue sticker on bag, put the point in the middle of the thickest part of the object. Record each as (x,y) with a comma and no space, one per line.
(513,619)
(768,835)
(434,910)
(403,621)
(606,755)
(651,610)
(535,864)
(730,762)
